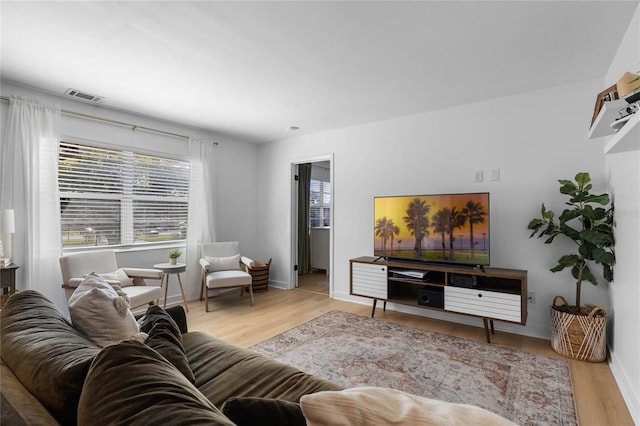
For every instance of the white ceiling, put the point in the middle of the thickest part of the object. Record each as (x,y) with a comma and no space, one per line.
(252,69)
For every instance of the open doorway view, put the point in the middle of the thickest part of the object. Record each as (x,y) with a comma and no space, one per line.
(314,226)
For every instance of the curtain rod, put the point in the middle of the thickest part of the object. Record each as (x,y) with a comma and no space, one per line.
(134,127)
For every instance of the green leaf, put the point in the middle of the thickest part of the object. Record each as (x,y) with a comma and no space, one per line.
(588,276)
(602,199)
(595,237)
(583,178)
(607,272)
(535,224)
(568,215)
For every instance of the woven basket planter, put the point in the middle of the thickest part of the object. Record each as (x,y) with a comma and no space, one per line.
(260,275)
(581,337)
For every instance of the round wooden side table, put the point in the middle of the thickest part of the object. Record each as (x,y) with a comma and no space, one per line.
(167,270)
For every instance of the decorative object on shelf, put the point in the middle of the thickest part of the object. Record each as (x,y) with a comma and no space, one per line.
(174,254)
(628,83)
(607,95)
(579,331)
(7,228)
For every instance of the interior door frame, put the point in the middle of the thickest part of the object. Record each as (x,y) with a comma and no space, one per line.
(294,216)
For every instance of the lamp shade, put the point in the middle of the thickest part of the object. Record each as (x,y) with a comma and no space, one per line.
(7,222)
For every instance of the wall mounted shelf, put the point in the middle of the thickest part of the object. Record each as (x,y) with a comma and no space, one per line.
(627,138)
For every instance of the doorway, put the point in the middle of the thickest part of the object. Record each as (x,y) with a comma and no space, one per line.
(312,224)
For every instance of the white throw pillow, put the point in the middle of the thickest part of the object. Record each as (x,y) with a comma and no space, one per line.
(118,275)
(382,406)
(100,313)
(228,263)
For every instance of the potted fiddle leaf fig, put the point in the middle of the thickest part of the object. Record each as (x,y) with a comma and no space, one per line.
(174,254)
(579,331)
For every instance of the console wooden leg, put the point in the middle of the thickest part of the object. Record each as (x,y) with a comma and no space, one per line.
(492,330)
(373,310)
(384,306)
(486,329)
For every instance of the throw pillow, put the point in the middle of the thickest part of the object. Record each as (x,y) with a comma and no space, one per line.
(382,406)
(252,411)
(166,339)
(228,263)
(130,383)
(118,275)
(100,313)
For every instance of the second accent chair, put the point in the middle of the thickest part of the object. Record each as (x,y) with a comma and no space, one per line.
(221,268)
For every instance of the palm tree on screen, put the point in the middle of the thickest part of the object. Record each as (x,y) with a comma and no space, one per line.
(440,225)
(392,229)
(475,214)
(417,222)
(456,220)
(381,230)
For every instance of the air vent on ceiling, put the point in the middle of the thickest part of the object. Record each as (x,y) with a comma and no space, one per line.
(84,96)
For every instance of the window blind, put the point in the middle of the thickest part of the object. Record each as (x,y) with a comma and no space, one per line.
(320,203)
(117,198)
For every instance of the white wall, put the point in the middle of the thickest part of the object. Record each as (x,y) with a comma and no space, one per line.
(624,178)
(534,139)
(236,211)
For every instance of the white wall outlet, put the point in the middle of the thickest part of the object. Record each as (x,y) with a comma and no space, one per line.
(479,176)
(495,174)
(531,297)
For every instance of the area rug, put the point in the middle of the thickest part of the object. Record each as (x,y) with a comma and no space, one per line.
(352,351)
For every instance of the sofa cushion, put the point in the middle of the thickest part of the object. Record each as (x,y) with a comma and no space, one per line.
(245,411)
(166,339)
(382,406)
(100,313)
(130,383)
(223,371)
(45,352)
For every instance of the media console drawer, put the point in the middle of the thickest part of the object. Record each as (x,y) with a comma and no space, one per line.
(369,280)
(488,304)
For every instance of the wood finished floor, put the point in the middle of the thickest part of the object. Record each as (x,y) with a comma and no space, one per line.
(598,399)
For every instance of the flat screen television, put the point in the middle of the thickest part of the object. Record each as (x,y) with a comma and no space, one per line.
(439,228)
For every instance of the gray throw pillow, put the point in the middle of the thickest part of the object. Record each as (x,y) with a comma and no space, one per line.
(166,339)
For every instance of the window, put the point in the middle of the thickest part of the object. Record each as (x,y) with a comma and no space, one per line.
(320,208)
(119,198)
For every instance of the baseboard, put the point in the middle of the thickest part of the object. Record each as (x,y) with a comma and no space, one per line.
(629,394)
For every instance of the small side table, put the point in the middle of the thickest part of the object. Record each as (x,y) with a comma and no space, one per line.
(168,269)
(8,278)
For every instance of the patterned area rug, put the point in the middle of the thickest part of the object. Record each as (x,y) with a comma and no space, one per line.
(352,350)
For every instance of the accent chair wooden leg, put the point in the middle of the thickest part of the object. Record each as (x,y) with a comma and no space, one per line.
(251,293)
(203,284)
(485,321)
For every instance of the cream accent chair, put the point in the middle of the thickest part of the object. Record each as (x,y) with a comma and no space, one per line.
(221,268)
(76,266)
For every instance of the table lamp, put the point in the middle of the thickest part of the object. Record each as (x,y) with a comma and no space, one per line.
(7,228)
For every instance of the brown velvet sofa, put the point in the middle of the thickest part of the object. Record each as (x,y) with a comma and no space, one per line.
(52,374)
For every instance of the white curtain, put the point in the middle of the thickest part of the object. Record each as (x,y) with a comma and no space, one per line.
(202,197)
(29,183)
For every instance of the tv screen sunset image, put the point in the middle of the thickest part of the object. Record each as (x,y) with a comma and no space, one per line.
(446,228)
